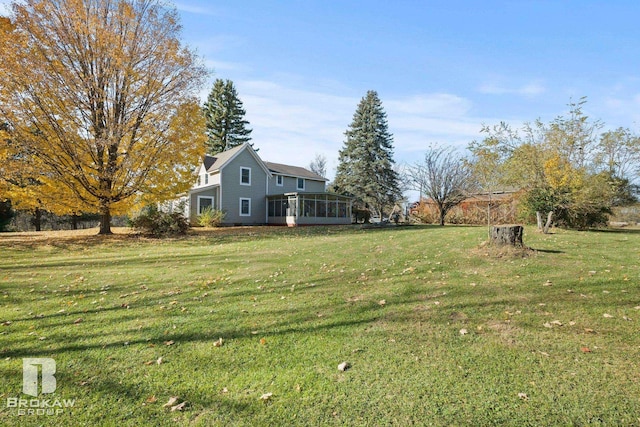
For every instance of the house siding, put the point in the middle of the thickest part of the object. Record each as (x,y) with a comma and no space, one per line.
(232,190)
(290,185)
(201,192)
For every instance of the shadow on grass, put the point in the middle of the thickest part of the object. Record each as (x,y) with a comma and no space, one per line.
(616,230)
(547,251)
(222,235)
(290,326)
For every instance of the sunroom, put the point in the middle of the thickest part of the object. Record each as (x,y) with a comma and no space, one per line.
(295,209)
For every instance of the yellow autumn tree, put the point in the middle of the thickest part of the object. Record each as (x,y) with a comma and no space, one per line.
(101,96)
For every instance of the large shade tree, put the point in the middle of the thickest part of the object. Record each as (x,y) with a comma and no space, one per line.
(366,166)
(226,125)
(102,97)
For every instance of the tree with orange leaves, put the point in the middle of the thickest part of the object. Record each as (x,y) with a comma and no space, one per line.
(100,97)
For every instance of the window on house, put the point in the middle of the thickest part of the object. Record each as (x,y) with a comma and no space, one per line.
(245,176)
(199,180)
(204,202)
(206,178)
(279,180)
(300,184)
(245,207)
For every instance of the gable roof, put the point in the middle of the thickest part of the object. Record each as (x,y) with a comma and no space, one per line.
(220,160)
(294,171)
(214,163)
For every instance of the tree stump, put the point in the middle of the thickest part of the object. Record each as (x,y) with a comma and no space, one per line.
(507,235)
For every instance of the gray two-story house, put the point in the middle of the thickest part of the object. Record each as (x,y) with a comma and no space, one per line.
(251,191)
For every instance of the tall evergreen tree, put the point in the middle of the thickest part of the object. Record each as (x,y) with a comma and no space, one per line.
(226,126)
(365,170)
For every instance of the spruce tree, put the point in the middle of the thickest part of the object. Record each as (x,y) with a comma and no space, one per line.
(365,170)
(226,126)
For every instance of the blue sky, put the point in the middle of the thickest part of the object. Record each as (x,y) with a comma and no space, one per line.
(441,68)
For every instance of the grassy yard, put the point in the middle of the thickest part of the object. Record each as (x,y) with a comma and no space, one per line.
(436,329)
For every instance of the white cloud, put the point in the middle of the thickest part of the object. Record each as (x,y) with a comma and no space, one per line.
(439,105)
(530,89)
(198,10)
(290,125)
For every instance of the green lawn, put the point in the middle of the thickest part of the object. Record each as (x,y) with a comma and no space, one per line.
(551,339)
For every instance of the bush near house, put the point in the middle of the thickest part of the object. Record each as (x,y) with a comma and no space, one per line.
(210,217)
(157,223)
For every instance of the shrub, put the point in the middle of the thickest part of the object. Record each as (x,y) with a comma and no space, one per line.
(210,217)
(160,224)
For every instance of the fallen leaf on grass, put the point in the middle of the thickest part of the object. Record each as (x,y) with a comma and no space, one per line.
(463,331)
(607,315)
(344,366)
(589,331)
(585,349)
(636,307)
(159,361)
(547,325)
(152,399)
(265,397)
(523,396)
(218,343)
(169,342)
(148,363)
(548,283)
(382,302)
(557,323)
(78,320)
(263,341)
(171,402)
(178,407)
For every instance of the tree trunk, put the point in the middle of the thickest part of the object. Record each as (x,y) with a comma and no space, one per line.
(539,220)
(443,214)
(37,219)
(105,220)
(507,235)
(545,230)
(489,216)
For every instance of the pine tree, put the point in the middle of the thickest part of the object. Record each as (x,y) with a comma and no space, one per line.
(226,126)
(365,170)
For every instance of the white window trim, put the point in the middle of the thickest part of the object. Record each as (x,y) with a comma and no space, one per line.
(213,202)
(242,199)
(206,179)
(304,183)
(241,169)
(281,179)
